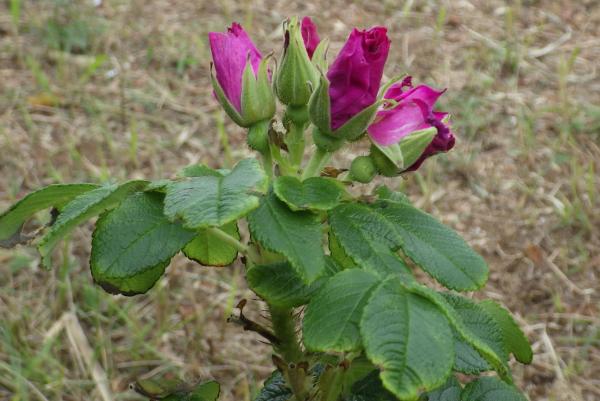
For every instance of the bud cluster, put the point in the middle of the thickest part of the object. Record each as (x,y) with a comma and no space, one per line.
(339,103)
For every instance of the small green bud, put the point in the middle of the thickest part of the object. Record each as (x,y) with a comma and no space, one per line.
(363,169)
(296,76)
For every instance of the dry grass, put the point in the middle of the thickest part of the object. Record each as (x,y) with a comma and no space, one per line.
(132,100)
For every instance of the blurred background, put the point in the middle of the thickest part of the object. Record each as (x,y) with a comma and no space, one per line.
(116,89)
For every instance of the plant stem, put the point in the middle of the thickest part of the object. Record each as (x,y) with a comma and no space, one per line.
(288,346)
(296,143)
(330,384)
(316,163)
(284,327)
(267,160)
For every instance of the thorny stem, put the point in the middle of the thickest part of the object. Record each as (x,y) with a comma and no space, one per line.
(288,346)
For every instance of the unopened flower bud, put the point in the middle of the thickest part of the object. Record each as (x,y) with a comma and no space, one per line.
(363,169)
(296,75)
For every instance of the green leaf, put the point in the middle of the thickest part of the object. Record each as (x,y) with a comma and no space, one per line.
(12,220)
(338,254)
(201,170)
(134,243)
(450,391)
(370,388)
(409,338)
(354,376)
(208,391)
(331,321)
(296,235)
(470,328)
(209,250)
(275,389)
(368,239)
(280,285)
(490,389)
(434,247)
(213,201)
(479,323)
(467,359)
(82,208)
(514,339)
(315,193)
(383,192)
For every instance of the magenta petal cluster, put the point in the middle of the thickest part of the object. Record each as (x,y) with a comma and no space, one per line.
(355,75)
(414,111)
(231,51)
(310,36)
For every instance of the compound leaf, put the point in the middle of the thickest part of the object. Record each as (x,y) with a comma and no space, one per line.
(296,235)
(331,321)
(82,208)
(315,193)
(134,243)
(514,339)
(367,238)
(490,389)
(274,389)
(12,220)
(207,249)
(437,249)
(213,200)
(408,338)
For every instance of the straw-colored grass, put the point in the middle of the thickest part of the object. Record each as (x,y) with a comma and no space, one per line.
(120,90)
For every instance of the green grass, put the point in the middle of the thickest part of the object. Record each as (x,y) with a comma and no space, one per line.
(119,92)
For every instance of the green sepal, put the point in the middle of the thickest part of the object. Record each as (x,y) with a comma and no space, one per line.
(296,75)
(319,59)
(319,109)
(229,108)
(384,88)
(258,101)
(358,124)
(404,153)
(383,163)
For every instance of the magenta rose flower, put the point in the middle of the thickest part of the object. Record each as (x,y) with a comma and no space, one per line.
(230,52)
(414,112)
(355,75)
(310,36)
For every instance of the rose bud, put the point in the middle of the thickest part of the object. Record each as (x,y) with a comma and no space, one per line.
(411,130)
(296,74)
(346,101)
(242,82)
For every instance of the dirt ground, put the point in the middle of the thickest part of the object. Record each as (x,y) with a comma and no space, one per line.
(99,90)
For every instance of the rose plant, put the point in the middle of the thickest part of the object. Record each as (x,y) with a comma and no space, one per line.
(348,317)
